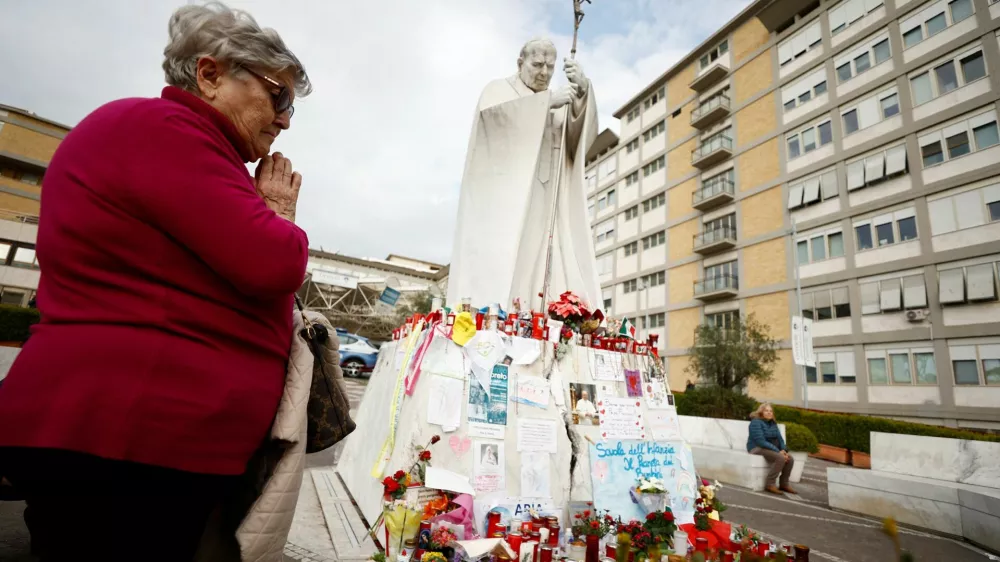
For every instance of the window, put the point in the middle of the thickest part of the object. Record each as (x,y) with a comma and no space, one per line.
(658,164)
(632,179)
(941,78)
(632,115)
(893,294)
(976,364)
(23,255)
(813,190)
(725,320)
(850,12)
(724,182)
(608,297)
(631,212)
(721,272)
(800,44)
(653,279)
(934,20)
(819,247)
(605,231)
(972,284)
(653,320)
(889,229)
(826,304)
(655,98)
(901,366)
(805,140)
(654,202)
(820,88)
(715,141)
(713,55)
(859,60)
(630,286)
(870,111)
(982,129)
(654,131)
(605,264)
(654,240)
(630,249)
(804,90)
(632,146)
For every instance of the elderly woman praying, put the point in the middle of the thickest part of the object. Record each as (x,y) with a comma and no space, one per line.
(765,439)
(166,303)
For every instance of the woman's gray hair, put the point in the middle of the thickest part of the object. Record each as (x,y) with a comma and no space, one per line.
(231,36)
(759,413)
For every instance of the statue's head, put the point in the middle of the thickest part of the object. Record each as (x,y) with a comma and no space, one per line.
(537,64)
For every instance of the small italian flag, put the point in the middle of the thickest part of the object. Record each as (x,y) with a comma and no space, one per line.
(627,330)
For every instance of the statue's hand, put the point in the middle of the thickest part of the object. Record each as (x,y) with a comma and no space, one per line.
(575,75)
(564,96)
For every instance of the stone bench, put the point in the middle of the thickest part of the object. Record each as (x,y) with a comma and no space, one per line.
(720,451)
(950,486)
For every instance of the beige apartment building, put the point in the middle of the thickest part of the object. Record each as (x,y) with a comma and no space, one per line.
(849,145)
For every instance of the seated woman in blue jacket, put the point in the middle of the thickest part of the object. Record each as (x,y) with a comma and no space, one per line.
(766,440)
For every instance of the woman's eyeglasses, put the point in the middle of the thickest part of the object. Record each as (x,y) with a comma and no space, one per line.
(282,99)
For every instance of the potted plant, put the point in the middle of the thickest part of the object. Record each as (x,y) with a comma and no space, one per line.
(651,495)
(801,442)
(591,527)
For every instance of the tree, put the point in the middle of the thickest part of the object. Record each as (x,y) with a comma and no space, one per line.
(417,303)
(729,357)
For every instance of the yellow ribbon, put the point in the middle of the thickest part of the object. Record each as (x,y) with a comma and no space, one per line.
(394,408)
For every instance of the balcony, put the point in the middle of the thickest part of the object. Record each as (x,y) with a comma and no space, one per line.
(713,110)
(711,74)
(715,288)
(715,193)
(712,241)
(710,153)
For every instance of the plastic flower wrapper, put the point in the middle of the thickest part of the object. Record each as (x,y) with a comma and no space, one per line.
(650,495)
(402,522)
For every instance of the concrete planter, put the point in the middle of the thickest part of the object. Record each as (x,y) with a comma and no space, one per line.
(799,466)
(861,460)
(833,454)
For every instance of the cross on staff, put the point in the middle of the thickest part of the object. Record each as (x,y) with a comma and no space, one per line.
(577,19)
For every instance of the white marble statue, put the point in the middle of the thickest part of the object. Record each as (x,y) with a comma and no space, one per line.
(505,207)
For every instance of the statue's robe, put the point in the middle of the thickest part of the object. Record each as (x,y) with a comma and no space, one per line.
(505,205)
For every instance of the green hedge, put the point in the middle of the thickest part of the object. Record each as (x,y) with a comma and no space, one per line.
(799,438)
(848,431)
(15,322)
(714,402)
(854,432)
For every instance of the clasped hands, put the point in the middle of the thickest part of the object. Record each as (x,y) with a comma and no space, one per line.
(576,88)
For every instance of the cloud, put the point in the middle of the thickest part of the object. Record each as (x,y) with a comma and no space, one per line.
(381,142)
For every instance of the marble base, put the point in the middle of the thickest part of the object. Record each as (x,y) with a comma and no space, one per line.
(719,433)
(799,467)
(946,507)
(728,466)
(952,460)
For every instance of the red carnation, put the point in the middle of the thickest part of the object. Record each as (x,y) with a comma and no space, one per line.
(595,525)
(435,439)
(399,475)
(390,485)
(586,513)
(579,516)
(425,455)
(651,517)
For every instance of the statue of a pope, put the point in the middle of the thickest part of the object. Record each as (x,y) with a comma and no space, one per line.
(516,154)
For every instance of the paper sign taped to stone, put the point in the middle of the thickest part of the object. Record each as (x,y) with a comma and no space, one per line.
(621,418)
(536,435)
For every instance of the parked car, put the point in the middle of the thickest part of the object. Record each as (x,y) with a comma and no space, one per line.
(357,354)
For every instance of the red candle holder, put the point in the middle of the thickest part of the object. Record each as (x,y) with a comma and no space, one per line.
(514,540)
(537,325)
(701,545)
(762,548)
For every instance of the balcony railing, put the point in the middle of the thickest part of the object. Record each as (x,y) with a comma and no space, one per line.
(715,239)
(715,108)
(714,193)
(717,286)
(715,149)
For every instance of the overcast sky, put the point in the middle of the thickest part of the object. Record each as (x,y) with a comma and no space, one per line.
(381,142)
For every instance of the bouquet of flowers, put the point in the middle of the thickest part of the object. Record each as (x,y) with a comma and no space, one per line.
(402,522)
(632,536)
(394,487)
(743,534)
(661,526)
(574,314)
(707,506)
(650,494)
(592,523)
(441,538)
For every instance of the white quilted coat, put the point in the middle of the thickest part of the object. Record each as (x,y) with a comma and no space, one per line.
(264,530)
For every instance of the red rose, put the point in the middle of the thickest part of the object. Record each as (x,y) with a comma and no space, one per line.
(435,439)
(668,515)
(698,501)
(390,485)
(651,517)
(425,455)
(399,475)
(595,525)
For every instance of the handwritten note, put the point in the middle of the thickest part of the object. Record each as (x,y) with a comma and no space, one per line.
(664,424)
(607,365)
(533,391)
(444,402)
(489,470)
(536,481)
(616,465)
(536,435)
(656,395)
(620,418)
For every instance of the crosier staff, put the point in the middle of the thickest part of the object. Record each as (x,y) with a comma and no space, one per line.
(577,19)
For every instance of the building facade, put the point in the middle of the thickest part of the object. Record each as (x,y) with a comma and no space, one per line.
(27,143)
(848,146)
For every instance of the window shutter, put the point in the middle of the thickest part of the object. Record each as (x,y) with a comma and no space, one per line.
(855,10)
(951,286)
(868,113)
(942,216)
(838,17)
(811,191)
(795,196)
(841,296)
(970,209)
(890,295)
(874,167)
(870,299)
(991,193)
(873,4)
(785,53)
(981,286)
(829,184)
(822,299)
(895,160)
(855,175)
(812,34)
(914,293)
